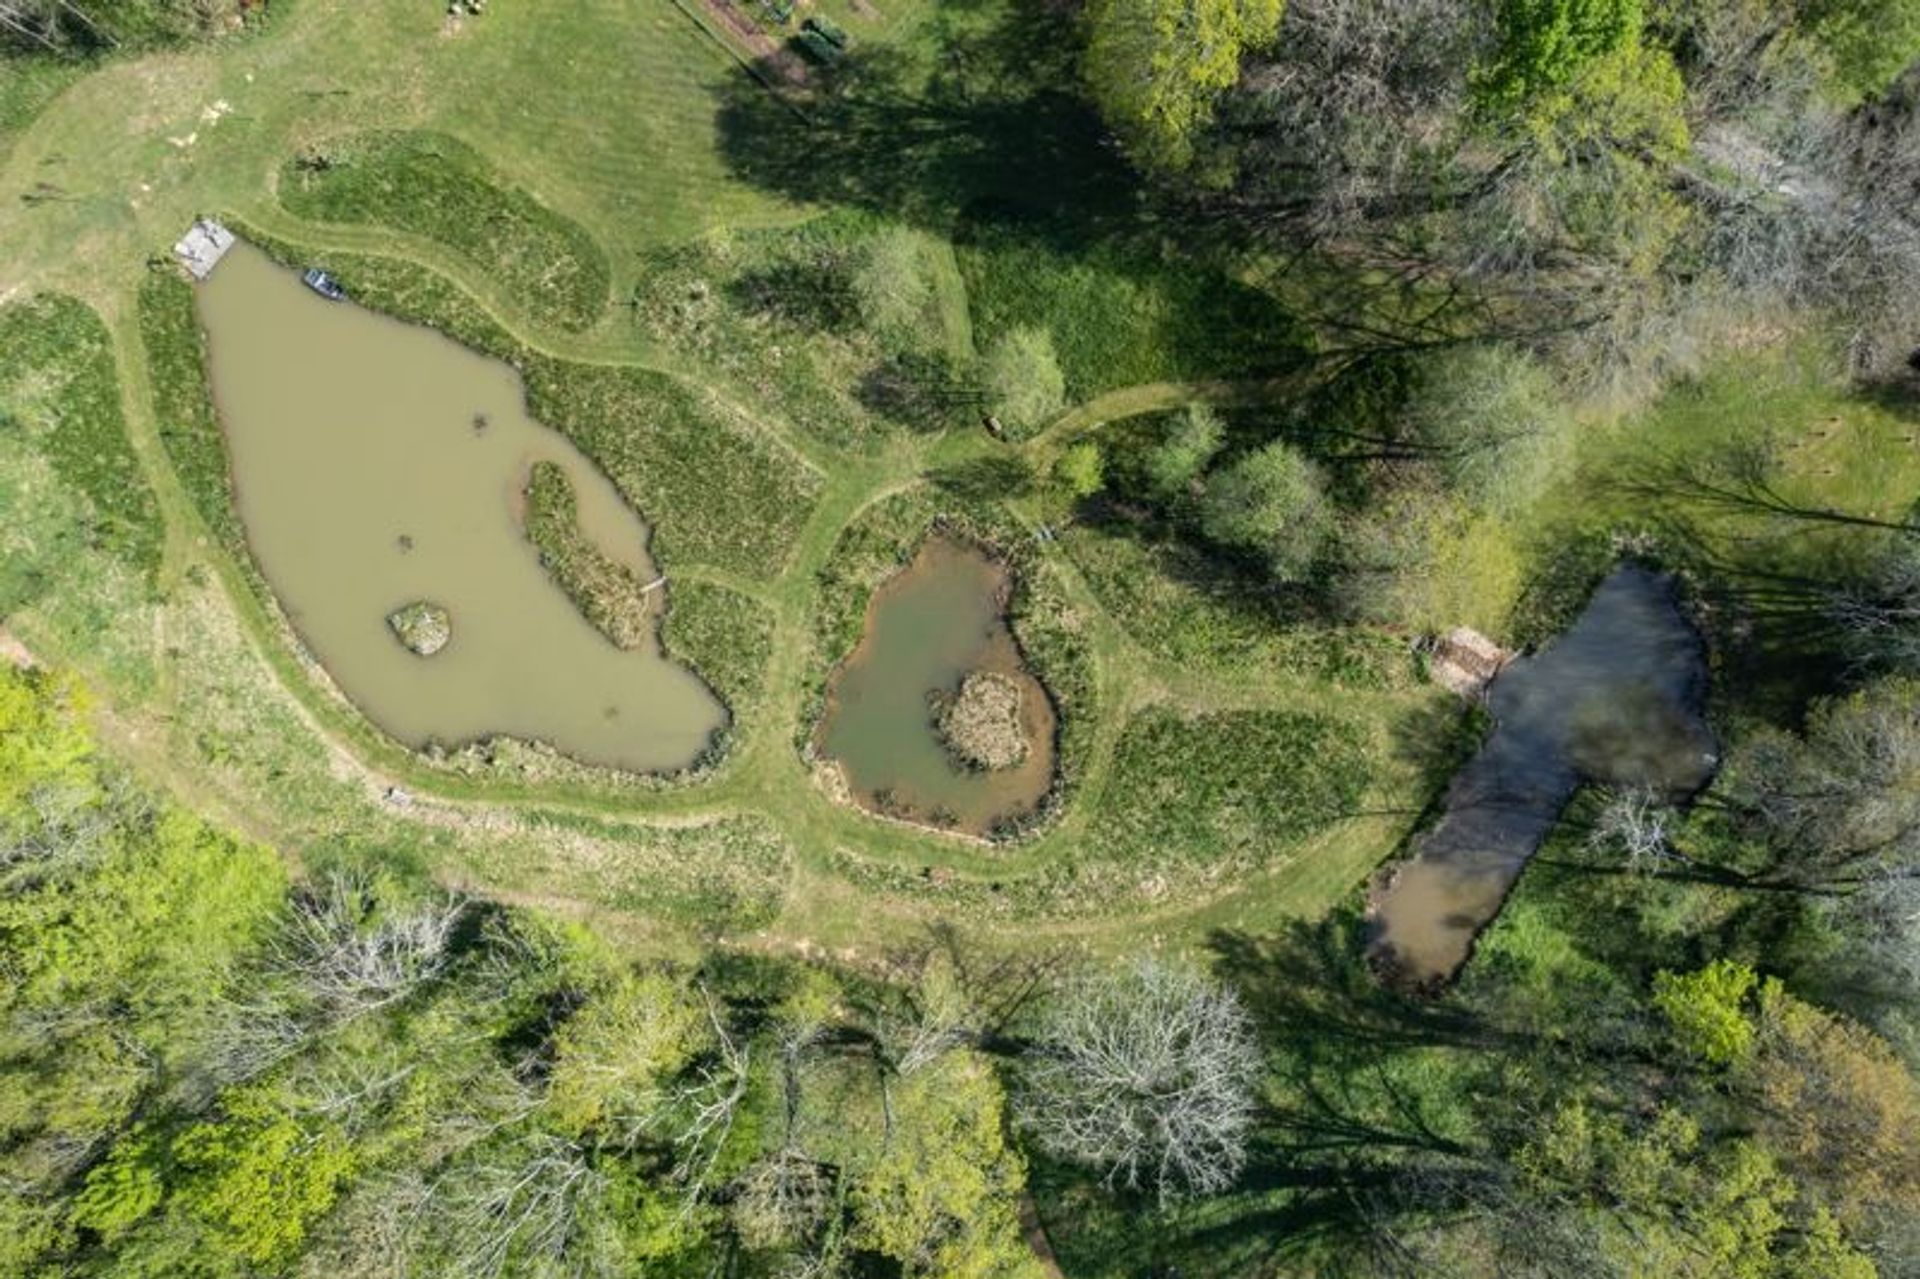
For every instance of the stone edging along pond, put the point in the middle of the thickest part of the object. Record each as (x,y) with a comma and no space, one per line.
(879,543)
(495,767)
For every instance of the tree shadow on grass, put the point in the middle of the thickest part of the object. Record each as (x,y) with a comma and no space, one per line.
(921,137)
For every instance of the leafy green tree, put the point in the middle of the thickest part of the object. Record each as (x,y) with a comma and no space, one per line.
(939,1199)
(616,1056)
(42,742)
(1870,42)
(262,1178)
(1023,380)
(1157,66)
(1273,503)
(1545,44)
(892,287)
(1185,452)
(1488,418)
(1707,1012)
(1081,470)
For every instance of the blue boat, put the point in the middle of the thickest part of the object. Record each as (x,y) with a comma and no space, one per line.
(323,284)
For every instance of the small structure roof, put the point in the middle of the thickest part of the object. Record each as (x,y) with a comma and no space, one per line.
(202,247)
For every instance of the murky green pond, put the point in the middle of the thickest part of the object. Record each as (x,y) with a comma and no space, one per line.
(939,619)
(1615,700)
(376,464)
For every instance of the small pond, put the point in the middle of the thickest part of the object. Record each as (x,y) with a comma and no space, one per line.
(1615,700)
(938,621)
(377,464)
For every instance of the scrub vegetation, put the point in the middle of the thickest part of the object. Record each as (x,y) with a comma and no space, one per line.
(606,592)
(1261,344)
(436,186)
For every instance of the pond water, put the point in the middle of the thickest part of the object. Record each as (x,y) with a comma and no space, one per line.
(1615,700)
(927,628)
(376,464)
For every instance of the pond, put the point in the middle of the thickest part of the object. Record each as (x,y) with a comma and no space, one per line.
(378,465)
(1615,700)
(929,628)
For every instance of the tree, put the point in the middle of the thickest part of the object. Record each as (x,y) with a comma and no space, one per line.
(617,1057)
(1837,1103)
(262,1178)
(1156,66)
(1023,379)
(1147,1075)
(1869,42)
(1837,802)
(1706,1010)
(892,288)
(1081,470)
(1183,454)
(1270,502)
(1487,417)
(939,1198)
(1544,44)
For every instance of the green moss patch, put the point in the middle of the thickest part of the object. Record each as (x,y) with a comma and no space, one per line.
(438,187)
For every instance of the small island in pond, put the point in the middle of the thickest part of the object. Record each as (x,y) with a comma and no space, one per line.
(424,628)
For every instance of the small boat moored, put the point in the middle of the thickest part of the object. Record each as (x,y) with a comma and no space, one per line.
(323,284)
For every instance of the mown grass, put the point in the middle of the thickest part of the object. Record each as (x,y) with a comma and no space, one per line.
(1218,793)
(726,638)
(722,875)
(1120,315)
(26,86)
(60,388)
(606,592)
(436,186)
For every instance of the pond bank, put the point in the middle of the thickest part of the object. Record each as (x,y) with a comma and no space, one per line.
(1617,701)
(375,464)
(928,628)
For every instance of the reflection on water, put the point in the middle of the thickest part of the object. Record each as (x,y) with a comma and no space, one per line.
(926,629)
(1615,700)
(377,464)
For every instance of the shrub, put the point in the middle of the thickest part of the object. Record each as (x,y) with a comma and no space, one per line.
(1024,385)
(1271,502)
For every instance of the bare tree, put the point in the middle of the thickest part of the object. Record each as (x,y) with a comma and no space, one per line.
(781,1201)
(516,1207)
(1147,1074)
(1635,823)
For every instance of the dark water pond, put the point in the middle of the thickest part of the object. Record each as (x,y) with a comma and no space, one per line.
(1615,700)
(376,464)
(933,623)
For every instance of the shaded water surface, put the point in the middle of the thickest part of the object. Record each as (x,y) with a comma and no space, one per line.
(376,463)
(927,628)
(1615,700)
